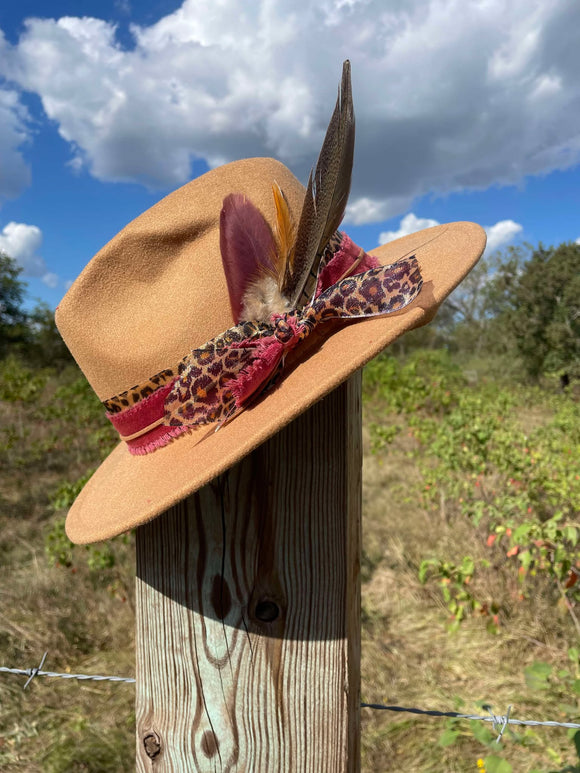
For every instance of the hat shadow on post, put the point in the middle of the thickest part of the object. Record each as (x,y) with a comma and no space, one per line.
(260,546)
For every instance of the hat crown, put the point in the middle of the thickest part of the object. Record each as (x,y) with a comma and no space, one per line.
(158,288)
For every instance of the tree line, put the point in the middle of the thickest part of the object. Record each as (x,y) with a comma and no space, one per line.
(521,305)
(31,335)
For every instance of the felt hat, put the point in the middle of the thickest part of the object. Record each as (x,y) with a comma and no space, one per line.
(142,319)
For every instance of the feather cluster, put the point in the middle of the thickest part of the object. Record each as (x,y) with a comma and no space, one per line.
(271,272)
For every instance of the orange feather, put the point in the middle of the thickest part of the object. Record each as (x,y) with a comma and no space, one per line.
(285,233)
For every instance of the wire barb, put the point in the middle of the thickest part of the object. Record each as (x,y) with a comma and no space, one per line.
(35,671)
(500,723)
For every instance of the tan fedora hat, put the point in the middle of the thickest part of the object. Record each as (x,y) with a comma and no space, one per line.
(158,292)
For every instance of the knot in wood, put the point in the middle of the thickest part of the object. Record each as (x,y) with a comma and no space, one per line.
(152,744)
(209,744)
(267,611)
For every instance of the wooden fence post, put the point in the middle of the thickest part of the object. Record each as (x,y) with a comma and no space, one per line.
(248,609)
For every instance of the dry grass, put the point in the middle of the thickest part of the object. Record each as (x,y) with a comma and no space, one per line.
(56,726)
(82,618)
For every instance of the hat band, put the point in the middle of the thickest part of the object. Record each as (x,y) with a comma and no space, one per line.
(141,426)
(215,382)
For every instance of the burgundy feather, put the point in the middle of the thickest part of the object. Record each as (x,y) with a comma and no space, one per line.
(247,246)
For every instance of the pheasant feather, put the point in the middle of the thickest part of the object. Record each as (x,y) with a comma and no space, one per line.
(326,197)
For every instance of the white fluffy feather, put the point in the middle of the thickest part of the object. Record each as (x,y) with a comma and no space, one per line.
(262,299)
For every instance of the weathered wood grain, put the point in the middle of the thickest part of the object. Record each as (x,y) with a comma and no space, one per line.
(248,613)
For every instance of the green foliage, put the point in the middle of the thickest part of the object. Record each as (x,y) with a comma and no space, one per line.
(80,749)
(21,389)
(60,551)
(498,460)
(482,732)
(454,581)
(503,461)
(495,764)
(77,604)
(541,308)
(12,318)
(58,547)
(519,485)
(519,306)
(45,347)
(382,436)
(539,676)
(49,424)
(565,684)
(76,402)
(67,492)
(18,383)
(33,336)
(428,381)
(472,305)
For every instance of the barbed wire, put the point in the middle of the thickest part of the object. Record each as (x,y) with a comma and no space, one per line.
(499,722)
(31,673)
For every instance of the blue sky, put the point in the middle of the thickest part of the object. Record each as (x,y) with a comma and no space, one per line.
(465,111)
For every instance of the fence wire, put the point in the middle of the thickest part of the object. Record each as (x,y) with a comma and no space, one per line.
(31,673)
(499,722)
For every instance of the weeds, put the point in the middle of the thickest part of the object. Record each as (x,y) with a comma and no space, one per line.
(488,527)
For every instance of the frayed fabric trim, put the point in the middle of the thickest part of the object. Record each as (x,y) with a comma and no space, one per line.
(352,285)
(269,353)
(157,438)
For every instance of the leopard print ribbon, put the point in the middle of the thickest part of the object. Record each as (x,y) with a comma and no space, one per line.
(218,380)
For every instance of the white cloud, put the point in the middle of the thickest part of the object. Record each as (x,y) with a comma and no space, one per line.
(448,95)
(578,240)
(502,233)
(51,280)
(498,235)
(545,86)
(22,242)
(366,210)
(123,6)
(14,173)
(409,225)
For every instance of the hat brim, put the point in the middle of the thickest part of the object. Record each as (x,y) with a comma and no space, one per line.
(127,491)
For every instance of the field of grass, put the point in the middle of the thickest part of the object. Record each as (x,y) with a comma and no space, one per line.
(470,550)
